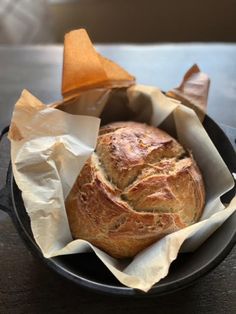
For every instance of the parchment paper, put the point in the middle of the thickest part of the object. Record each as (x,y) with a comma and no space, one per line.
(50,144)
(193,91)
(84,68)
(49,147)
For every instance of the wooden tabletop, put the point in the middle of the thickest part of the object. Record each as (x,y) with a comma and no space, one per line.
(27,285)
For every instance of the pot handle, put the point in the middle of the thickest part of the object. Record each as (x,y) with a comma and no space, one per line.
(5,199)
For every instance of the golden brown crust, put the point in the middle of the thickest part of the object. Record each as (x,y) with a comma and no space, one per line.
(138,186)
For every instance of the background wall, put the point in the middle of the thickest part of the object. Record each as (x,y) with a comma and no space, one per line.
(147,20)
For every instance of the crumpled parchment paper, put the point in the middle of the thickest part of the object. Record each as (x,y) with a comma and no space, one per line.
(48,149)
(50,144)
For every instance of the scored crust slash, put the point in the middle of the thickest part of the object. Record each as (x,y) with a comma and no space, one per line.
(138,186)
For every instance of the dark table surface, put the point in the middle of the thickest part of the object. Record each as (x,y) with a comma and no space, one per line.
(28,286)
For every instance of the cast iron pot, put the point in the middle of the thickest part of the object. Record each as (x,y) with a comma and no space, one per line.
(87,270)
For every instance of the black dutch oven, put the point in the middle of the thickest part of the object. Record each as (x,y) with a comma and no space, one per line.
(88,271)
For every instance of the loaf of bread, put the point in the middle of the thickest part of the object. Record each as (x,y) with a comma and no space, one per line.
(138,186)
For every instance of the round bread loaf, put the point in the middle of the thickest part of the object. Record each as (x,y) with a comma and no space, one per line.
(138,186)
